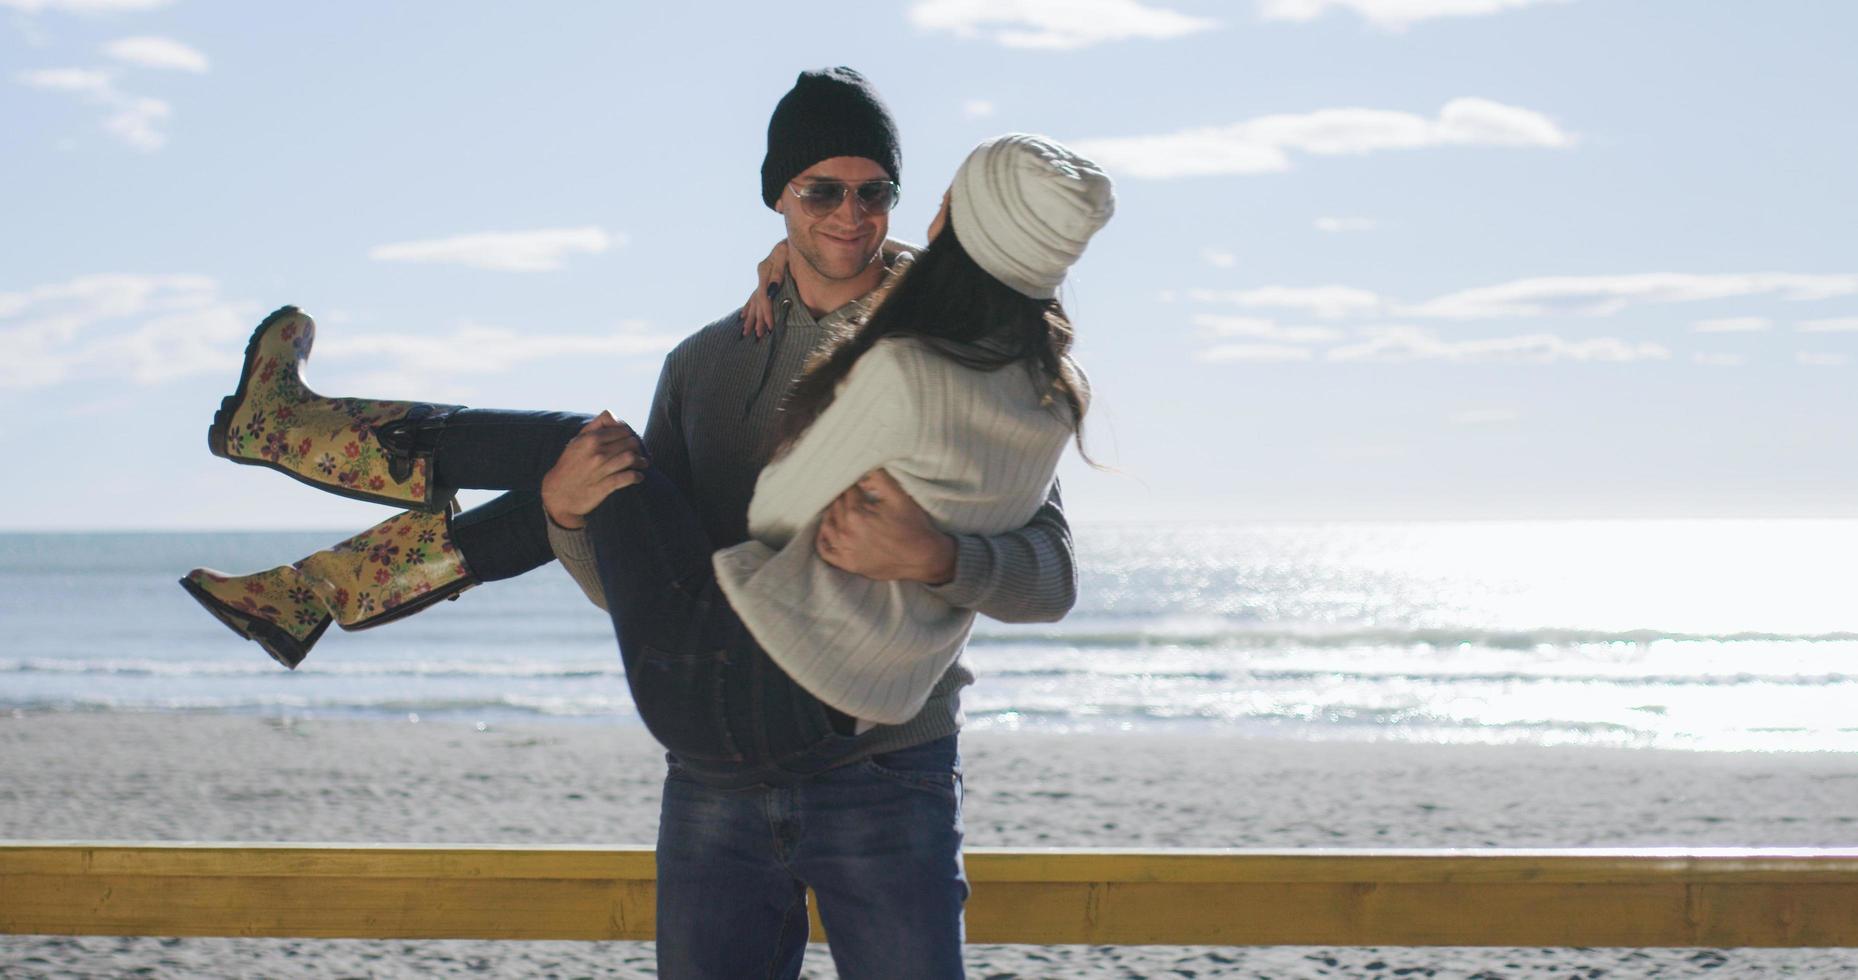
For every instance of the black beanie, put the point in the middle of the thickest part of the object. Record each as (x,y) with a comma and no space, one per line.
(832,112)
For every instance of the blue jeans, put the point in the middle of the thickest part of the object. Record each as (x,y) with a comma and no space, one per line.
(702,685)
(497,450)
(878,841)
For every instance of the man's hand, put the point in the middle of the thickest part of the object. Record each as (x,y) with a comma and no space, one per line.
(604,457)
(875,530)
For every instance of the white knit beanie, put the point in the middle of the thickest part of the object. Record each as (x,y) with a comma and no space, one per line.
(1025,206)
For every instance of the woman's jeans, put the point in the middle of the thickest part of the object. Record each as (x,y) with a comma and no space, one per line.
(479,449)
(702,685)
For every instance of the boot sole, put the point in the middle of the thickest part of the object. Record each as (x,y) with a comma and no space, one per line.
(283,648)
(450,590)
(218,436)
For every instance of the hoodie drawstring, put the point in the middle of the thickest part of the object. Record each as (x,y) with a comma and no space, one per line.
(767,365)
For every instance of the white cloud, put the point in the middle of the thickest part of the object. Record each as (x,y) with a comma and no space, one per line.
(1607,295)
(442,366)
(79,81)
(1345,224)
(1219,258)
(134,121)
(1403,343)
(977,108)
(143,327)
(507,251)
(437,366)
(1266,339)
(154,328)
(1482,122)
(1256,328)
(130,118)
(1323,301)
(1265,144)
(1733,324)
(1389,14)
(109,295)
(157,52)
(1255,354)
(1054,24)
(479,349)
(85,6)
(204,341)
(1484,417)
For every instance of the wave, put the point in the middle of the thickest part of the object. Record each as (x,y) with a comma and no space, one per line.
(1343,715)
(553,707)
(1433,637)
(1237,674)
(256,667)
(620,710)
(1246,675)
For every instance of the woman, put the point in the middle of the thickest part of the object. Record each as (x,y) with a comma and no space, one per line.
(759,656)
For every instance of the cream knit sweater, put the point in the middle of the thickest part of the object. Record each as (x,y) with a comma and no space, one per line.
(976,449)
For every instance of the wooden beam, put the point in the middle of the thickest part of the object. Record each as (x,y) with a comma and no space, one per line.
(1714,897)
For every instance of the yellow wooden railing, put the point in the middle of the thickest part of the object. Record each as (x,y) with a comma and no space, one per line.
(1658,897)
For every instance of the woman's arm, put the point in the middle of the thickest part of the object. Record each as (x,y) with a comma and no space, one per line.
(758,311)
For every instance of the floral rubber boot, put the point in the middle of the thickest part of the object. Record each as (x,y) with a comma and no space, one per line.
(391,570)
(273,419)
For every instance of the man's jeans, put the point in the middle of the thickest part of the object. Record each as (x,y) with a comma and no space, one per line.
(878,841)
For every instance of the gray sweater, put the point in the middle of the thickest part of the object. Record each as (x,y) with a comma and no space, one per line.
(711,432)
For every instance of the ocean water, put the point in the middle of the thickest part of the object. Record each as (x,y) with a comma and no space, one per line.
(1728,635)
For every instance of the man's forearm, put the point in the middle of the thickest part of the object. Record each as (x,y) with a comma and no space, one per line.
(575,550)
(1023,576)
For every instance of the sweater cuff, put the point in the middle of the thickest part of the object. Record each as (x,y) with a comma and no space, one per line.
(974,573)
(570,544)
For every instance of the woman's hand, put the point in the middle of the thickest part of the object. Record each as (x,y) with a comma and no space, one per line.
(604,457)
(758,312)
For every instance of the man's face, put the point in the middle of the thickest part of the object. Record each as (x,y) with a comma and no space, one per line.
(843,244)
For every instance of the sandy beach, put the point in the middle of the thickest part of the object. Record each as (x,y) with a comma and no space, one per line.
(207,777)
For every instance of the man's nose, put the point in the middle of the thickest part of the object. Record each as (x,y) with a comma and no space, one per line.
(850,210)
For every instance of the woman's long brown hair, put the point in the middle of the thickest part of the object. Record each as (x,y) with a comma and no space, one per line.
(948,301)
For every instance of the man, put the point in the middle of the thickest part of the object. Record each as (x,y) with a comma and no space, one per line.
(878,839)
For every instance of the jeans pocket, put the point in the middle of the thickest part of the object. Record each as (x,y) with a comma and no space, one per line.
(933,767)
(680,698)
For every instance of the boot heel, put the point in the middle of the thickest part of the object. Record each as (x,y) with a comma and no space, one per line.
(249,619)
(217,433)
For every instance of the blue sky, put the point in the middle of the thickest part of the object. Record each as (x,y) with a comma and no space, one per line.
(1421,259)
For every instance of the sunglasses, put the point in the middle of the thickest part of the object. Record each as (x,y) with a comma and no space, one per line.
(822,197)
